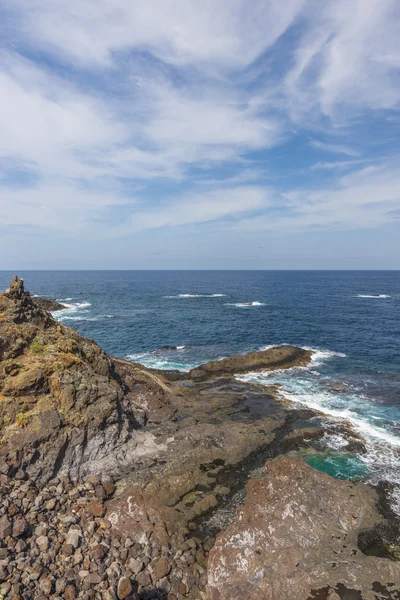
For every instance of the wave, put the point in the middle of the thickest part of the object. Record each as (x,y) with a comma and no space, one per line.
(73,311)
(246,304)
(168,349)
(196,296)
(300,386)
(83,318)
(158,361)
(64,299)
(373,296)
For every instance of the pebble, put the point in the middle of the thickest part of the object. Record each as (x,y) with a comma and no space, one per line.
(55,543)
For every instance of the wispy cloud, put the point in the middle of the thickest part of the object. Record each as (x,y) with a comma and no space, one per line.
(167,113)
(334,148)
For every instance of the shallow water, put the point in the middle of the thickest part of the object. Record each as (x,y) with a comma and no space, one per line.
(351,318)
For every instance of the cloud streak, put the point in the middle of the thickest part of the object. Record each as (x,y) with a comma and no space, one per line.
(119,117)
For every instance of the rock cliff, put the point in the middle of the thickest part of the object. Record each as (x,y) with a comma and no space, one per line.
(65,406)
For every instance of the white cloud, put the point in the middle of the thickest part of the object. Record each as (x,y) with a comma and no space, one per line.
(346,60)
(366,198)
(67,208)
(216,33)
(199,208)
(334,148)
(95,95)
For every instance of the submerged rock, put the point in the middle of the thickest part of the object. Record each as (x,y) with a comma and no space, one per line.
(297,537)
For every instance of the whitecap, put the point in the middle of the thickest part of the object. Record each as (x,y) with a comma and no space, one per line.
(246,304)
(162,362)
(373,296)
(196,296)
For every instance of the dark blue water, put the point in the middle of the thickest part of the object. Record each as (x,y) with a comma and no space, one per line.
(352,318)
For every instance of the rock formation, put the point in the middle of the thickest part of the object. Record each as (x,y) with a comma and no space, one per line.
(281,357)
(297,537)
(65,405)
(49,304)
(115,478)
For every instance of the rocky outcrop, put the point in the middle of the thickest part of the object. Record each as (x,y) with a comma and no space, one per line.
(49,304)
(281,357)
(65,406)
(297,537)
(180,448)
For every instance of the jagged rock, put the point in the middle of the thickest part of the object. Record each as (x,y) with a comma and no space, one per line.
(297,537)
(66,406)
(16,288)
(49,304)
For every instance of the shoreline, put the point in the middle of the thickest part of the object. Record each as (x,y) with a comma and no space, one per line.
(136,472)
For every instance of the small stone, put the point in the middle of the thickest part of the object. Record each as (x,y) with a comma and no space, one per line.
(100,492)
(96,509)
(109,486)
(41,530)
(50,504)
(73,537)
(93,579)
(60,585)
(160,568)
(20,475)
(20,546)
(67,549)
(43,542)
(5,527)
(45,584)
(98,551)
(124,588)
(182,588)
(70,592)
(135,565)
(19,527)
(143,579)
(35,572)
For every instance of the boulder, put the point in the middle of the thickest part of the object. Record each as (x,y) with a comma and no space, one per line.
(297,537)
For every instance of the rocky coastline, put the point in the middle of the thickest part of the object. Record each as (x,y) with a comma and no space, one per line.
(116,479)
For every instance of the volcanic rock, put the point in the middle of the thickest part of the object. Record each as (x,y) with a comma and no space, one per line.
(281,357)
(297,537)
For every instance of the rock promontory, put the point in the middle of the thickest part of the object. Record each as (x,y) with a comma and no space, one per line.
(280,357)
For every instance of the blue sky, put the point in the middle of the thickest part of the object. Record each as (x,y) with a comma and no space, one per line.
(213,134)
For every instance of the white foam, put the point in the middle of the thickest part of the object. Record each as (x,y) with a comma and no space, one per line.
(335,441)
(246,304)
(373,296)
(64,299)
(180,347)
(153,361)
(196,296)
(361,425)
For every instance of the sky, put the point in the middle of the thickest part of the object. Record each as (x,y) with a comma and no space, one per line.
(221,134)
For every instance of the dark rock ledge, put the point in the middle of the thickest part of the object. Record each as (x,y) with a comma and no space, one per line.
(109,473)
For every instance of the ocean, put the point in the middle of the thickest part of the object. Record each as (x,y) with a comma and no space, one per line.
(350,318)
